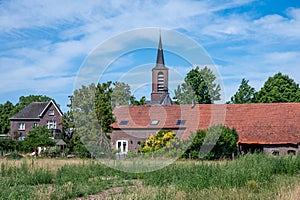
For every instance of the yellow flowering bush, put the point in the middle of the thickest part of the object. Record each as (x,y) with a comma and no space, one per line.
(161,139)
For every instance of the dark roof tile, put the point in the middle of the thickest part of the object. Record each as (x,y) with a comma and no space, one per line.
(31,111)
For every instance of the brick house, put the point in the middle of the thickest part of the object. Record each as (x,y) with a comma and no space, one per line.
(272,128)
(36,114)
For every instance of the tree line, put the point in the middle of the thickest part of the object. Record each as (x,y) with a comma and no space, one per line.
(200,87)
(277,89)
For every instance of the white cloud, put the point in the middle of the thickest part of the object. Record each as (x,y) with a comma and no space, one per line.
(279,26)
(51,38)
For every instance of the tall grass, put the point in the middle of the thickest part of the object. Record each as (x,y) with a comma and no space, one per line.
(257,173)
(257,168)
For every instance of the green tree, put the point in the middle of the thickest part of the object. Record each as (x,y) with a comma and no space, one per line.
(103,106)
(279,88)
(213,143)
(120,94)
(38,137)
(68,124)
(7,144)
(134,102)
(71,136)
(244,94)
(68,128)
(6,111)
(199,87)
(92,112)
(184,94)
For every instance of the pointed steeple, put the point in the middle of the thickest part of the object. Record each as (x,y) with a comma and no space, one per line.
(160,62)
(160,78)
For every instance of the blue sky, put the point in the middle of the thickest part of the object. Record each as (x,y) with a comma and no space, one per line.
(44,44)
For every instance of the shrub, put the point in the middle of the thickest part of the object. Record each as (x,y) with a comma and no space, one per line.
(213,143)
(38,137)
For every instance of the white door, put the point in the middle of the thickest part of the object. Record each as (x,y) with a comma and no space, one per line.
(122,145)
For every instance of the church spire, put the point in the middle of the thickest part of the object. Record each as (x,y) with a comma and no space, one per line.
(160,62)
(160,77)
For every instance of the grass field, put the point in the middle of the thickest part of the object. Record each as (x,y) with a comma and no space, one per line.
(250,177)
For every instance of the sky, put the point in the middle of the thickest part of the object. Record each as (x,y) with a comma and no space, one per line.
(45,46)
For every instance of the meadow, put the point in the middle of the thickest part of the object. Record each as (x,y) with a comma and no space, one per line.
(255,176)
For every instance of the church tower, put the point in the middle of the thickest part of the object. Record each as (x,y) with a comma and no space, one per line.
(160,76)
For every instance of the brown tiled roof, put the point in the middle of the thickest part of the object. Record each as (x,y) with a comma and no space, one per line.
(276,123)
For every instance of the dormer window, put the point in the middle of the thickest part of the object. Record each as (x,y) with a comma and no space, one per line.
(123,122)
(180,122)
(154,122)
(51,112)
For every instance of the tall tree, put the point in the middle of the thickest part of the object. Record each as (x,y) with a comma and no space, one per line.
(120,94)
(279,88)
(103,106)
(68,124)
(70,134)
(199,87)
(244,94)
(6,111)
(184,94)
(92,112)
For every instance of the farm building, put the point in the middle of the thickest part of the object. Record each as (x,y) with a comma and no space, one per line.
(272,128)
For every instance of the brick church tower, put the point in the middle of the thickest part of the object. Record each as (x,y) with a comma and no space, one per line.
(160,78)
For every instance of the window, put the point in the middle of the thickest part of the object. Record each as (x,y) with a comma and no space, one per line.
(51,112)
(160,81)
(122,145)
(21,126)
(154,122)
(51,124)
(35,125)
(123,122)
(275,153)
(180,122)
(291,152)
(21,138)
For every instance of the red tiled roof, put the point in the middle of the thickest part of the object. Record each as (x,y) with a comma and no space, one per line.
(276,123)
